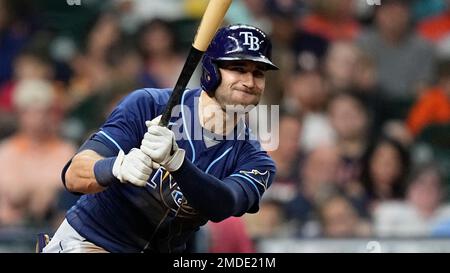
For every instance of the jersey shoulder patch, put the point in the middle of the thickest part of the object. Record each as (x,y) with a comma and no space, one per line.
(262,178)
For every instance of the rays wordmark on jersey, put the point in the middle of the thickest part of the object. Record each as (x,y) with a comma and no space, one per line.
(165,188)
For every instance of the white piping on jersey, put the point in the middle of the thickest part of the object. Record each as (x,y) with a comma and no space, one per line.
(251,182)
(187,129)
(219,158)
(111,139)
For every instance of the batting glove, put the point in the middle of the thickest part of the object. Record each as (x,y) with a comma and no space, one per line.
(134,167)
(159,144)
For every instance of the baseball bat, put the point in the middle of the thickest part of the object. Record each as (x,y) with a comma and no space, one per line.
(210,22)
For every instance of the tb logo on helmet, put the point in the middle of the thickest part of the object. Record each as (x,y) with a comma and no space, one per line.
(250,40)
(232,43)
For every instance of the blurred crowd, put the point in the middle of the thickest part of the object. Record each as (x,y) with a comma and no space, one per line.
(364,93)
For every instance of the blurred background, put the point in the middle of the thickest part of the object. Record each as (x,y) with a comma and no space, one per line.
(364,92)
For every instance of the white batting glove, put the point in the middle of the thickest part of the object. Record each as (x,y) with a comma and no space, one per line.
(134,167)
(159,144)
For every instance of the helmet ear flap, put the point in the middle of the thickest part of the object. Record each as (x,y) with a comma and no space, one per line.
(210,78)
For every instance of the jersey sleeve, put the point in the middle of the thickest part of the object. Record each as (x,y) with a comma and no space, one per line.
(255,172)
(125,126)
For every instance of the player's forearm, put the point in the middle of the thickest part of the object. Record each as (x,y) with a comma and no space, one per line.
(80,175)
(214,198)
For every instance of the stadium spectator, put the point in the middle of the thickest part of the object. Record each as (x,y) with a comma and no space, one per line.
(332,20)
(269,222)
(384,171)
(340,66)
(436,29)
(158,47)
(422,210)
(29,64)
(339,218)
(307,96)
(286,158)
(31,159)
(433,107)
(16,32)
(350,121)
(404,61)
(317,172)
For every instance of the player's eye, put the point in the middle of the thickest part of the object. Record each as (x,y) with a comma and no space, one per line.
(239,69)
(258,73)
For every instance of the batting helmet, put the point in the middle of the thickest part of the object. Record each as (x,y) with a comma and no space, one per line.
(234,42)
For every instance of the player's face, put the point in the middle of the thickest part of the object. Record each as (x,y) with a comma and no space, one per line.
(243,83)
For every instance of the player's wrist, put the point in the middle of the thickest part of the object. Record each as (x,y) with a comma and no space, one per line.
(103,171)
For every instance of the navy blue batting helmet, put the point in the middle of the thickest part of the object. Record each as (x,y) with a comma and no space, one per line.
(234,42)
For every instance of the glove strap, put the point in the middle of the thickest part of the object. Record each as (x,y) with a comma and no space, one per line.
(175,161)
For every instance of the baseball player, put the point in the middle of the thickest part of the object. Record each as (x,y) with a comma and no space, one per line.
(148,188)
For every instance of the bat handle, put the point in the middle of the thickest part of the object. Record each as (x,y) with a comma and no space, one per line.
(191,63)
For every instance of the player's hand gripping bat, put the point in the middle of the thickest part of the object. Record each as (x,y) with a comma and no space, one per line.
(212,18)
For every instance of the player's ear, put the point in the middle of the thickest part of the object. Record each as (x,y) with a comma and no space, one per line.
(211,76)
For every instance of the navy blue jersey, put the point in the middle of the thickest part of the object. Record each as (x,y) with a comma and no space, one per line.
(157,217)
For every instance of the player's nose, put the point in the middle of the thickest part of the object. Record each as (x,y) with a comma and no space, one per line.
(248,79)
